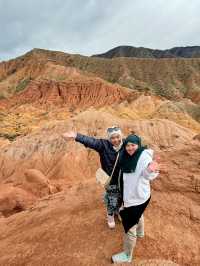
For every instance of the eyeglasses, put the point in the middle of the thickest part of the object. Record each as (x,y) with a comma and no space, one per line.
(112,129)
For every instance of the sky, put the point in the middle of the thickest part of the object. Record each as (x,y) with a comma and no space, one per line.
(95,26)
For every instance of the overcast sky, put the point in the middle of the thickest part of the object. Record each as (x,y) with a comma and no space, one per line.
(95,26)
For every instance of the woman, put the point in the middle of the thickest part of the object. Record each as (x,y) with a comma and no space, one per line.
(107,150)
(137,170)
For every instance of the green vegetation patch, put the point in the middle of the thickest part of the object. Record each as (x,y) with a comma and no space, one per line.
(22,85)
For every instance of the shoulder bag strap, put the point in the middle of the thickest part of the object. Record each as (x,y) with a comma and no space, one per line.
(114,165)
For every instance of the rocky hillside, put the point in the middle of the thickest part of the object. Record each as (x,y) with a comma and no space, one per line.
(174,79)
(51,210)
(42,164)
(142,52)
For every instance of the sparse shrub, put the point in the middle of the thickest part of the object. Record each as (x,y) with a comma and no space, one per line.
(2,96)
(10,136)
(22,85)
(60,78)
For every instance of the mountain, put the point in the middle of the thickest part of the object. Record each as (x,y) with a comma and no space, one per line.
(172,78)
(142,52)
(51,210)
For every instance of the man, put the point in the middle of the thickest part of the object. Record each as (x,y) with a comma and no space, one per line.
(107,150)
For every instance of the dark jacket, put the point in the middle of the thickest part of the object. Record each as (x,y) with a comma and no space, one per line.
(106,152)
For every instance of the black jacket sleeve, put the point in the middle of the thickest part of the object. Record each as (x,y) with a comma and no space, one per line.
(90,142)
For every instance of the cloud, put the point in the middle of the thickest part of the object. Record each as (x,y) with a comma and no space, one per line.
(95,26)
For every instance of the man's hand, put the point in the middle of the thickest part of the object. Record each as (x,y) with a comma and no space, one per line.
(153,167)
(69,135)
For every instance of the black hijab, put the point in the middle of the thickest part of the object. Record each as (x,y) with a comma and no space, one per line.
(128,162)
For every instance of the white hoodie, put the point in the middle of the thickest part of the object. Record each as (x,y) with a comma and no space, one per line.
(136,189)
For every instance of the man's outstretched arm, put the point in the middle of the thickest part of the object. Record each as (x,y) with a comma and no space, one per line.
(89,142)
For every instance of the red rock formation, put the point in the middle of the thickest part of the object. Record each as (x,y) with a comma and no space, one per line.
(14,199)
(80,93)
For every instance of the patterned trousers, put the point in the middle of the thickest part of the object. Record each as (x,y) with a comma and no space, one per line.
(112,199)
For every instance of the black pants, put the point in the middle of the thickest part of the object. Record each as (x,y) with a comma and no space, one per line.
(131,215)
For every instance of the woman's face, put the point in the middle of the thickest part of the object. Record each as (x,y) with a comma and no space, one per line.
(116,139)
(131,148)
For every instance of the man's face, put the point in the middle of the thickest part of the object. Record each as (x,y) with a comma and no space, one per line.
(116,140)
(131,148)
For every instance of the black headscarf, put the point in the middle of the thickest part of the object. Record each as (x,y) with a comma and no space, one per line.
(128,162)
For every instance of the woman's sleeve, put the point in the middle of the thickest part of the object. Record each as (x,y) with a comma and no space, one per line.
(90,142)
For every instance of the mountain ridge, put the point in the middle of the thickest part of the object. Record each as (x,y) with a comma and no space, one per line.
(143,52)
(173,78)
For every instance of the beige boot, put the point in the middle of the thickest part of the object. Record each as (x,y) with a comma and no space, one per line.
(140,227)
(130,241)
(129,244)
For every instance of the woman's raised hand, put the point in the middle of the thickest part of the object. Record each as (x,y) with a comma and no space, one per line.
(153,166)
(69,135)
